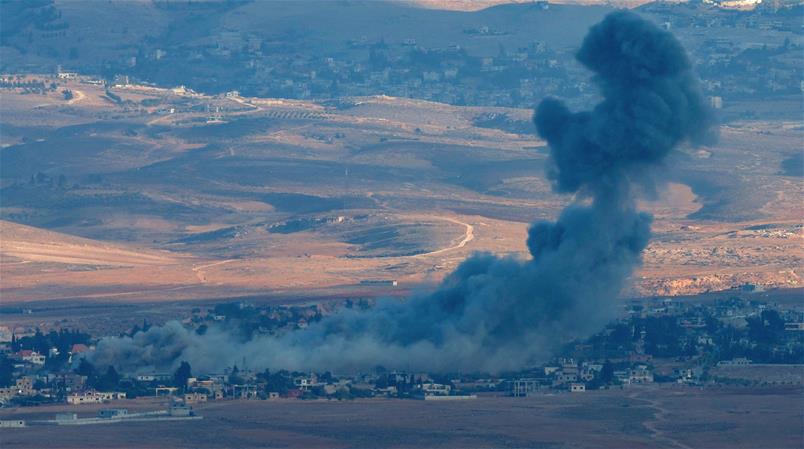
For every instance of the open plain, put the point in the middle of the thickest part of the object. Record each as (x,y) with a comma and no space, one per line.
(148,198)
(637,417)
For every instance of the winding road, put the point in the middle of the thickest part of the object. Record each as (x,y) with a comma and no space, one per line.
(658,417)
(199,270)
(468,236)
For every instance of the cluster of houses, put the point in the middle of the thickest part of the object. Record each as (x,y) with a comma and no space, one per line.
(94,397)
(511,77)
(33,379)
(262,320)
(251,385)
(567,375)
(661,340)
(575,377)
(731,69)
(23,386)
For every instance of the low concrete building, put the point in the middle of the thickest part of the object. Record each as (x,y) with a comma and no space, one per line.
(461,397)
(94,397)
(195,398)
(24,385)
(34,357)
(11,423)
(180,410)
(110,413)
(165,391)
(63,417)
(640,376)
(524,387)
(433,389)
(739,361)
(7,393)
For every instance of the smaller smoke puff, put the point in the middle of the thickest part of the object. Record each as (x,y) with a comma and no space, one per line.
(495,314)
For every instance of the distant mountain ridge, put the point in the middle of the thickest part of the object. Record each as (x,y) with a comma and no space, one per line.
(475,5)
(148,39)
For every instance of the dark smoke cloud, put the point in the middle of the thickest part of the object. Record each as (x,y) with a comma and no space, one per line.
(651,103)
(494,314)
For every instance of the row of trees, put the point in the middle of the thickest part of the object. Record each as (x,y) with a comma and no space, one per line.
(63,340)
(763,339)
(110,380)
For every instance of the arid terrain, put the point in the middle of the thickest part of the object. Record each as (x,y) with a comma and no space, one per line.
(227,223)
(169,194)
(639,417)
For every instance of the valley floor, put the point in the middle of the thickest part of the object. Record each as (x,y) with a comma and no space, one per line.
(636,417)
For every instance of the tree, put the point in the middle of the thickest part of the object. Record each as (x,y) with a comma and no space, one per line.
(343,394)
(279,382)
(768,327)
(85,369)
(55,362)
(39,342)
(15,343)
(607,373)
(109,380)
(234,376)
(181,375)
(6,371)
(382,381)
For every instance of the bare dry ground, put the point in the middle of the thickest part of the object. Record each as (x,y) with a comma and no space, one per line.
(640,417)
(474,5)
(289,195)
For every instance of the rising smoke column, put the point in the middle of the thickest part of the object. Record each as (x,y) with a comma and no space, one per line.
(494,314)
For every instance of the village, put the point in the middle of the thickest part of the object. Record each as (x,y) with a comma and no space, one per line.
(660,341)
(511,77)
(756,54)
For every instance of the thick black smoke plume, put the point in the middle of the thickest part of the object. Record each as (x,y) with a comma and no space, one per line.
(495,314)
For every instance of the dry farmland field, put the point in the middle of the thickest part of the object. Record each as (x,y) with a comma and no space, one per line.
(639,417)
(125,201)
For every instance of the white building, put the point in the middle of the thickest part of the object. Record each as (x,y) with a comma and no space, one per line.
(33,357)
(5,334)
(640,375)
(94,397)
(524,387)
(577,388)
(111,413)
(6,423)
(435,389)
(195,398)
(739,361)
